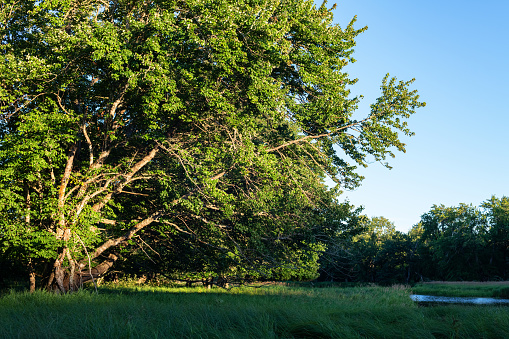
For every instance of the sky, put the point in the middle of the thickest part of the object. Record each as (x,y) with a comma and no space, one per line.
(458,52)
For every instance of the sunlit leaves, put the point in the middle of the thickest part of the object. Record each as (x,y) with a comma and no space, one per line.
(221,118)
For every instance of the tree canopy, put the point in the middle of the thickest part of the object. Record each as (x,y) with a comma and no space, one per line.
(156,124)
(456,243)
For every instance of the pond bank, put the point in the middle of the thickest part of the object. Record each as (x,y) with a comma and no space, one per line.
(497,290)
(431,300)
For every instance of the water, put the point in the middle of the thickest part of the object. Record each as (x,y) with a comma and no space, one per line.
(431,299)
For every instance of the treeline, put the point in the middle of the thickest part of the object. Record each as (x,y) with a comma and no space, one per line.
(449,243)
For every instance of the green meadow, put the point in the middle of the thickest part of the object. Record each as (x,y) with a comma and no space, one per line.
(244,312)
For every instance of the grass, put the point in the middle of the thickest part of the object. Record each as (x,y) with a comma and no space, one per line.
(464,289)
(269,312)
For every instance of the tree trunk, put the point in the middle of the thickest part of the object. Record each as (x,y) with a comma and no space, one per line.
(32,282)
(66,280)
(31,276)
(60,272)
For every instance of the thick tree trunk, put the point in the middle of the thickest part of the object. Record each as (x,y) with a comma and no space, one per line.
(68,280)
(60,272)
(32,281)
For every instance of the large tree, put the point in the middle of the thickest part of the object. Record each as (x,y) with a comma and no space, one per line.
(215,119)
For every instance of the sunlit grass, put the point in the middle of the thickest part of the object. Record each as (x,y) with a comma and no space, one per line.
(247,312)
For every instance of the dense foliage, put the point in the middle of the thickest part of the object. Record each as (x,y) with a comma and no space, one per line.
(449,243)
(197,132)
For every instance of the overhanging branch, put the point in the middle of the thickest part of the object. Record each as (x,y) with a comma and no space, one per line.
(127,235)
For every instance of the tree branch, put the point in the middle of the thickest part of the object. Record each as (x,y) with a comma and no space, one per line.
(90,148)
(356,123)
(128,235)
(128,178)
(63,184)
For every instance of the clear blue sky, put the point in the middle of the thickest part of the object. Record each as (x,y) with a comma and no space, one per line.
(458,51)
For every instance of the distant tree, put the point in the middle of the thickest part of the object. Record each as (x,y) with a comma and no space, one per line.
(449,243)
(378,228)
(339,261)
(455,242)
(218,120)
(497,212)
(376,252)
(395,260)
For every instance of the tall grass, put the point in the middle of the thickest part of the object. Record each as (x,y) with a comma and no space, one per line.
(269,312)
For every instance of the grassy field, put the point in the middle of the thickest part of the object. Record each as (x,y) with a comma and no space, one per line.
(269,312)
(496,289)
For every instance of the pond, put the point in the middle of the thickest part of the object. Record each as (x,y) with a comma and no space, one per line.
(432,300)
